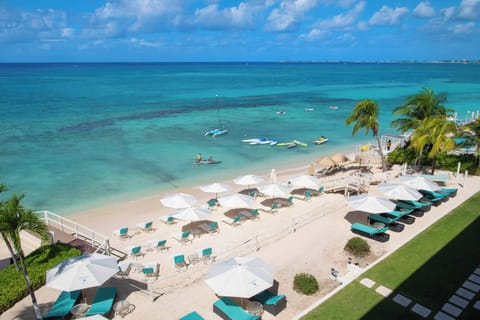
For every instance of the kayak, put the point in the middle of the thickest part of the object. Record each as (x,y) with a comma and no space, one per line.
(205,162)
(216,132)
(300,143)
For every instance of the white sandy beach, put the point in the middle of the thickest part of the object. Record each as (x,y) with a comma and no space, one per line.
(307,237)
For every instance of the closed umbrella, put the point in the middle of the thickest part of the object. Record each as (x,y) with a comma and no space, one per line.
(178,201)
(273,176)
(82,272)
(305,181)
(274,190)
(371,204)
(241,277)
(215,188)
(399,191)
(419,183)
(191,214)
(237,200)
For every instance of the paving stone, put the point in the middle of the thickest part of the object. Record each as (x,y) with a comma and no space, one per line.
(443,316)
(471,286)
(477,305)
(451,309)
(474,278)
(477,271)
(367,282)
(401,300)
(462,303)
(421,310)
(384,291)
(464,293)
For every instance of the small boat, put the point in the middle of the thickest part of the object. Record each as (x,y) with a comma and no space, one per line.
(216,132)
(281,112)
(205,162)
(333,107)
(259,141)
(309,109)
(320,140)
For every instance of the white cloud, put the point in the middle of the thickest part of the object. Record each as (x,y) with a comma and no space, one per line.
(144,43)
(463,28)
(343,21)
(289,14)
(388,16)
(424,10)
(25,26)
(469,9)
(239,17)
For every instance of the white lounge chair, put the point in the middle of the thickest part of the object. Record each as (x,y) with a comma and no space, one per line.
(146,226)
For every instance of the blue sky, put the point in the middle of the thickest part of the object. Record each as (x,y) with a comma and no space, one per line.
(249,30)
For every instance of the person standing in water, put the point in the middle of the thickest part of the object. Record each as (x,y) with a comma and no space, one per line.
(199,157)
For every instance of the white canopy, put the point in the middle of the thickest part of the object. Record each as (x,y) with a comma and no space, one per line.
(399,191)
(178,200)
(371,204)
(237,200)
(419,183)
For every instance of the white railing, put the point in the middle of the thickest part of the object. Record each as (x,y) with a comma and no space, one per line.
(95,239)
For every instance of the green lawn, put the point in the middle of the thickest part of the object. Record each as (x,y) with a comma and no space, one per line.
(428,270)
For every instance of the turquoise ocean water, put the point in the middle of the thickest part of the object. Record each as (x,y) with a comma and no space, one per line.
(78,135)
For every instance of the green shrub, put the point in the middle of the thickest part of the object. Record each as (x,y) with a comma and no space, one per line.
(305,283)
(12,284)
(357,247)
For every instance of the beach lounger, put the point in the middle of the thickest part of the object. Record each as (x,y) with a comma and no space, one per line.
(62,306)
(150,270)
(192,316)
(371,232)
(250,214)
(210,228)
(205,255)
(452,192)
(391,223)
(102,301)
(168,220)
(435,197)
(160,245)
(135,251)
(273,209)
(272,303)
(122,233)
(413,205)
(306,196)
(229,310)
(212,204)
(124,268)
(402,216)
(146,226)
(183,237)
(179,262)
(233,222)
(284,203)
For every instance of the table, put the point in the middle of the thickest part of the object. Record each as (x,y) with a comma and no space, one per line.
(79,310)
(123,307)
(255,307)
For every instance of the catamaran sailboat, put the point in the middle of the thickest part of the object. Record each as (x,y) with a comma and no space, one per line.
(216,132)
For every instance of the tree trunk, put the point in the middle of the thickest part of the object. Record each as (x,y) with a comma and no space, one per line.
(384,166)
(433,165)
(36,309)
(10,249)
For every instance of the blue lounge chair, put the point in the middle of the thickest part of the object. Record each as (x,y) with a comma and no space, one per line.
(233,222)
(122,233)
(401,215)
(424,206)
(452,192)
(371,232)
(390,222)
(102,301)
(62,306)
(210,228)
(229,310)
(435,197)
(272,303)
(161,245)
(192,316)
(179,262)
(206,255)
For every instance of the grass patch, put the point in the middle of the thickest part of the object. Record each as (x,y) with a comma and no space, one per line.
(428,269)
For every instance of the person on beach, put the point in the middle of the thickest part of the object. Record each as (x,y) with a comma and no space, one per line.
(389,144)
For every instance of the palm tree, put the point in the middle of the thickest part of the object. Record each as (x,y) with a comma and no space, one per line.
(4,235)
(365,115)
(471,134)
(418,108)
(434,133)
(14,218)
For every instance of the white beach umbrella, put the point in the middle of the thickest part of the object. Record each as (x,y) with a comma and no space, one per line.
(178,201)
(215,188)
(305,181)
(94,317)
(237,200)
(399,191)
(82,272)
(371,204)
(191,214)
(273,176)
(274,190)
(241,277)
(248,180)
(419,183)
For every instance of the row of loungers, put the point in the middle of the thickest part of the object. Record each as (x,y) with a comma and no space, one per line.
(404,212)
(102,303)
